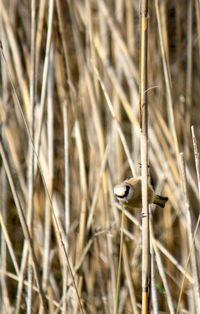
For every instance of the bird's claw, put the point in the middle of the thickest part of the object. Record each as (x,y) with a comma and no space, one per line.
(143,215)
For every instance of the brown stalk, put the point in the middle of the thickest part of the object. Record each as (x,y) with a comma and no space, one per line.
(30,215)
(144,153)
(192,258)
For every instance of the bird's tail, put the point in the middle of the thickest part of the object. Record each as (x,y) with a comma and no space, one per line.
(160,200)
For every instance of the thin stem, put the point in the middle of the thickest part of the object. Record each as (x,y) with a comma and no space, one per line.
(119,265)
(31,150)
(144,153)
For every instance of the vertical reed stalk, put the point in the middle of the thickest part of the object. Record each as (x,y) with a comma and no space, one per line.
(45,73)
(31,150)
(154,296)
(67,199)
(144,153)
(116,309)
(50,161)
(192,251)
(167,76)
(196,155)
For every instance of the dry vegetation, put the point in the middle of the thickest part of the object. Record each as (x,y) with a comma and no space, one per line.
(69,111)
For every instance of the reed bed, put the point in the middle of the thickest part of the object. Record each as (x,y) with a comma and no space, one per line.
(70,131)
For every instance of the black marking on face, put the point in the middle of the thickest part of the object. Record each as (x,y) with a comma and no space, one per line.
(125,193)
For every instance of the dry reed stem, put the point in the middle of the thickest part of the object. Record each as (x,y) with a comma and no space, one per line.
(167,81)
(21,279)
(154,296)
(144,154)
(50,161)
(45,74)
(30,175)
(196,155)
(94,73)
(67,201)
(192,253)
(129,279)
(197,7)
(164,280)
(117,296)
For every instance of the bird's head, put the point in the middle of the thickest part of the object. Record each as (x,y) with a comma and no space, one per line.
(123,192)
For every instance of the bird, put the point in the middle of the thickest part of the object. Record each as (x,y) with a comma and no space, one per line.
(129,194)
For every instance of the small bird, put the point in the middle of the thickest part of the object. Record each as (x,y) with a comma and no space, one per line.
(129,193)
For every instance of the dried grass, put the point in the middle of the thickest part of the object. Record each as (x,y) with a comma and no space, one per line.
(69,111)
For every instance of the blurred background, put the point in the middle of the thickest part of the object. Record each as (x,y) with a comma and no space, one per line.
(70,131)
